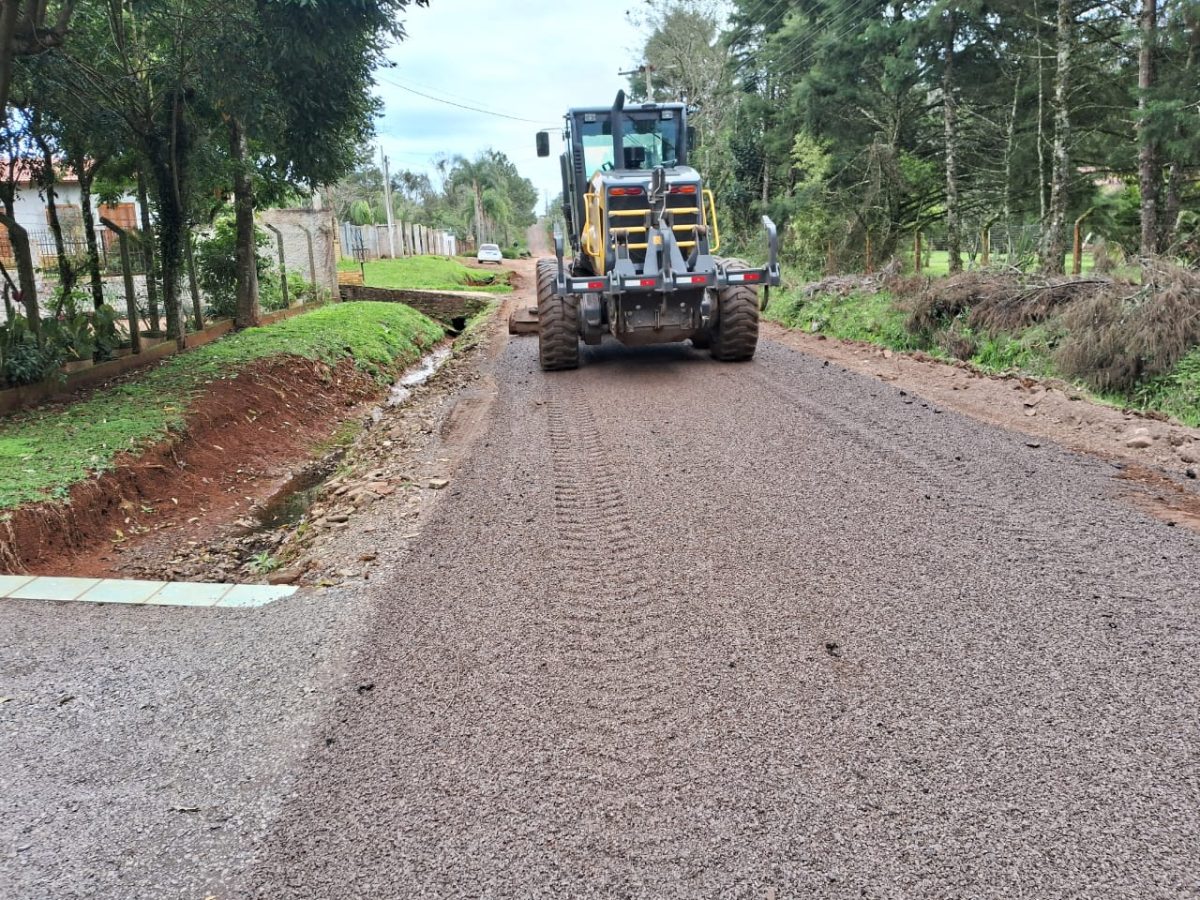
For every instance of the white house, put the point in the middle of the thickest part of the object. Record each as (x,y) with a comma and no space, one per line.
(31,213)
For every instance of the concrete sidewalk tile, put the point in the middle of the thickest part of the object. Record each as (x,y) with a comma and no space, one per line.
(112,590)
(190,594)
(54,588)
(9,583)
(248,595)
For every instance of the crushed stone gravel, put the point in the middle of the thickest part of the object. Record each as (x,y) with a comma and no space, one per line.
(673,629)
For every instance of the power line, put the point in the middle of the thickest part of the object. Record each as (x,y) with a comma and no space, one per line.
(478,109)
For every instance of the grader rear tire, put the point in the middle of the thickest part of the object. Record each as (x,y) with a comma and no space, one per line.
(735,336)
(558,322)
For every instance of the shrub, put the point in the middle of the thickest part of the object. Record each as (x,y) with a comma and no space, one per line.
(216,266)
(23,360)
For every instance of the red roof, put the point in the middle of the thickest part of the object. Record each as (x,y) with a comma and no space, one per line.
(24,169)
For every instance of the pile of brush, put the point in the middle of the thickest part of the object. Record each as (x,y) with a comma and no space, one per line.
(1110,333)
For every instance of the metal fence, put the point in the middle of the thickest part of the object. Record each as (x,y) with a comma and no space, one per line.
(363,242)
(45,250)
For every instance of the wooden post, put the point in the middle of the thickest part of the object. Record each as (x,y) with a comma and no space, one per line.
(986,254)
(917,260)
(135,330)
(282,267)
(1077,246)
(312,259)
(870,262)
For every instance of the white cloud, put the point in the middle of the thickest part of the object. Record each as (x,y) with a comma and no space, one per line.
(532,60)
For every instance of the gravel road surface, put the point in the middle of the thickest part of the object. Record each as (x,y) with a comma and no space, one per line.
(675,629)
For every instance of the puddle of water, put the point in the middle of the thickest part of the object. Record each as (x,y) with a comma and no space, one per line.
(418,375)
(288,504)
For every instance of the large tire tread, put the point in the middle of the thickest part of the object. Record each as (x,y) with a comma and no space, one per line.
(735,337)
(558,322)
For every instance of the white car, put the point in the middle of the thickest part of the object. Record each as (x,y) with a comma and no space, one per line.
(489,253)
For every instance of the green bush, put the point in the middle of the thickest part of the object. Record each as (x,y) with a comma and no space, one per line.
(216,266)
(25,360)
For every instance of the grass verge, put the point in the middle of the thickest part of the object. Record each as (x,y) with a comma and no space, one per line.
(45,451)
(434,273)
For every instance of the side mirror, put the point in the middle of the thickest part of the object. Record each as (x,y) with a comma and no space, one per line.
(692,138)
(543,143)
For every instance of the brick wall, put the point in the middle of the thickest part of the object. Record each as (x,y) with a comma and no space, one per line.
(291,224)
(443,307)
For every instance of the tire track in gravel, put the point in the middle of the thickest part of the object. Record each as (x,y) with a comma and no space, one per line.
(610,616)
(681,629)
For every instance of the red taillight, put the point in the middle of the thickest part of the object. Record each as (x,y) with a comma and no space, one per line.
(683,189)
(647,282)
(692,279)
(595,285)
(752,276)
(625,192)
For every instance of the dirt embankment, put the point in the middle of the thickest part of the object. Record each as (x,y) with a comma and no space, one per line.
(241,435)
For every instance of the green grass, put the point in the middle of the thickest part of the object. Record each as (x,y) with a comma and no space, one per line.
(434,273)
(1177,393)
(45,451)
(870,317)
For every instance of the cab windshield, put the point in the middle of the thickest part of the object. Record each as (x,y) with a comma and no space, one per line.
(648,139)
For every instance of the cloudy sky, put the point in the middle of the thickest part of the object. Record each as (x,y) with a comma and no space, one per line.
(531,60)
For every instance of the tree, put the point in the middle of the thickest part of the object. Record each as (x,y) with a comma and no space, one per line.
(1052,249)
(1149,173)
(29,28)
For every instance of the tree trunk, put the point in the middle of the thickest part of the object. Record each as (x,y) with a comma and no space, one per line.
(89,228)
(1169,228)
(950,115)
(167,155)
(1041,120)
(147,246)
(47,179)
(26,276)
(193,286)
(9,10)
(1052,250)
(1009,143)
(1149,175)
(248,310)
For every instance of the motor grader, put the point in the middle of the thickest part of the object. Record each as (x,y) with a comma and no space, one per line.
(643,233)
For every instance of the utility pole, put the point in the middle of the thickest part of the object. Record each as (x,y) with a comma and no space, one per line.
(387,202)
(648,71)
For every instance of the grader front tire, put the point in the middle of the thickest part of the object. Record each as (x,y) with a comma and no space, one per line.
(558,322)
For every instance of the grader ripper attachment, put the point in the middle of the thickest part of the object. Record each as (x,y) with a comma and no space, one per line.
(643,233)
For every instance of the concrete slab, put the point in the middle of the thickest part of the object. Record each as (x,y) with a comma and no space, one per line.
(44,588)
(149,593)
(190,594)
(250,595)
(9,583)
(114,591)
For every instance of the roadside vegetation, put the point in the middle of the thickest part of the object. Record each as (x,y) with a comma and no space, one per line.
(45,451)
(432,273)
(1129,343)
(180,106)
